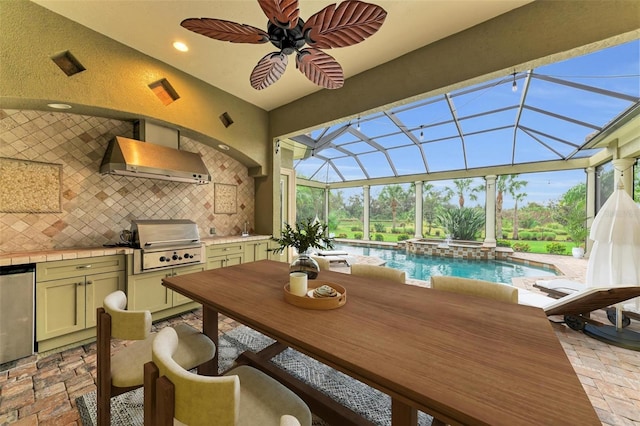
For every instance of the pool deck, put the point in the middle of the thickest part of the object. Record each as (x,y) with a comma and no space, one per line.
(610,375)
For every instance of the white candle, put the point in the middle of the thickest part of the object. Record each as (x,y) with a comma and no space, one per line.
(298,283)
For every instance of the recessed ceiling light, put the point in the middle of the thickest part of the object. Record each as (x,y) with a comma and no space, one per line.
(59,106)
(223,147)
(180,46)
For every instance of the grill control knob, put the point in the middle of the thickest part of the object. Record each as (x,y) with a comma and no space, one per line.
(162,258)
(174,257)
(188,256)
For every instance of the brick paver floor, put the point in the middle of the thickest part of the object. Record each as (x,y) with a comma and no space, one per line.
(41,389)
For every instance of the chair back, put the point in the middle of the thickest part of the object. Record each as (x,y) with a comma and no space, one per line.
(199,400)
(126,325)
(479,288)
(375,271)
(323,263)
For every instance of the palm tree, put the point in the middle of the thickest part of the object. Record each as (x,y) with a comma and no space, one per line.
(393,194)
(518,197)
(510,184)
(463,186)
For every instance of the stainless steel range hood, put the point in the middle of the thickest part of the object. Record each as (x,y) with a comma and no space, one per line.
(129,157)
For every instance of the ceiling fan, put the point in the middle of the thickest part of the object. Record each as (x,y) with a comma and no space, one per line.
(337,25)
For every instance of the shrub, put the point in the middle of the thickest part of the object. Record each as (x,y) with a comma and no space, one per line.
(409,231)
(396,231)
(342,236)
(357,236)
(549,236)
(356,228)
(379,237)
(525,235)
(437,232)
(503,243)
(379,227)
(461,224)
(556,248)
(523,247)
(403,237)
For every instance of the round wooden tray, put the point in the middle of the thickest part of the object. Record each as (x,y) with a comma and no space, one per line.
(322,303)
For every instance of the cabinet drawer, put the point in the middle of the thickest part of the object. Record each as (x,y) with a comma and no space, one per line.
(224,249)
(79,267)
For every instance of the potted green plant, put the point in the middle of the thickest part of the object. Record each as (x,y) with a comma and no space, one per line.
(578,232)
(307,234)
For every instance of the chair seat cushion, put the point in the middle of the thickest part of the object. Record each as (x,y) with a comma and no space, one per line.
(263,400)
(127,364)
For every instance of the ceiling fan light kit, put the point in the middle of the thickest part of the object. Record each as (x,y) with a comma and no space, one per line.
(337,25)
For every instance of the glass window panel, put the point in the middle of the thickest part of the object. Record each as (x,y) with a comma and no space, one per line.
(489,149)
(349,168)
(490,121)
(529,150)
(444,155)
(407,160)
(331,176)
(307,167)
(486,99)
(605,175)
(315,134)
(376,164)
(561,129)
(590,107)
(309,202)
(442,131)
(393,141)
(621,60)
(345,137)
(358,148)
(381,125)
(425,114)
(331,153)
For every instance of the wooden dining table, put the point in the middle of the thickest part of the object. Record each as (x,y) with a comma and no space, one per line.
(459,358)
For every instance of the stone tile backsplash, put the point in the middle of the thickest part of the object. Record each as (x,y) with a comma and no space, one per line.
(95,207)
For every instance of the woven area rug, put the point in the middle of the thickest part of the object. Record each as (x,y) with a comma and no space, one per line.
(127,409)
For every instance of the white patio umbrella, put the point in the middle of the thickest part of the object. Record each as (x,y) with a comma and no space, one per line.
(615,256)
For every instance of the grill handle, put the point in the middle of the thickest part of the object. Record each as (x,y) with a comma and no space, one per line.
(151,243)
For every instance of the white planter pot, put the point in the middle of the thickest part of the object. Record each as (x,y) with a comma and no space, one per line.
(577,252)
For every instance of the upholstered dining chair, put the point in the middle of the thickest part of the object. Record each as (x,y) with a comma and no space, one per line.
(324,264)
(243,396)
(123,370)
(375,271)
(479,288)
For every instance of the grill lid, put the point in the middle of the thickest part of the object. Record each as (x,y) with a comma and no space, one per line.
(164,233)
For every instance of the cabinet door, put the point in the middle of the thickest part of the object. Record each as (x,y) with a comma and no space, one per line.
(179,299)
(216,262)
(281,256)
(234,259)
(146,292)
(98,286)
(60,307)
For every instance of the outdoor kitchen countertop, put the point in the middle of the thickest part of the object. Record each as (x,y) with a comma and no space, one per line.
(25,257)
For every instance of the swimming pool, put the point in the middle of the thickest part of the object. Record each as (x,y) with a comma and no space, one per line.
(423,267)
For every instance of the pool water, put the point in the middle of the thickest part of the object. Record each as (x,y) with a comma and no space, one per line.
(422,267)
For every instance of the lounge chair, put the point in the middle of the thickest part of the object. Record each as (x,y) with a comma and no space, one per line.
(577,305)
(559,288)
(335,256)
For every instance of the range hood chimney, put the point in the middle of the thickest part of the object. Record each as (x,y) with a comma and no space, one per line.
(130,157)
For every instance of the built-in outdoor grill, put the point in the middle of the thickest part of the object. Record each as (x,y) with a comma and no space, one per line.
(161,244)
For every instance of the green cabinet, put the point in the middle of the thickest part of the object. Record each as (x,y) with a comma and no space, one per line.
(146,292)
(223,255)
(68,292)
(256,250)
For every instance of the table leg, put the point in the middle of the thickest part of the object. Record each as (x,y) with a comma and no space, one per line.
(210,328)
(403,414)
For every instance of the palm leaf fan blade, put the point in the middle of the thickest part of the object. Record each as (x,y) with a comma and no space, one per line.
(220,29)
(282,13)
(345,25)
(321,68)
(268,70)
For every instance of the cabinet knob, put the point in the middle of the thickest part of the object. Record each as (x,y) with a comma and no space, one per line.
(89,282)
(83,267)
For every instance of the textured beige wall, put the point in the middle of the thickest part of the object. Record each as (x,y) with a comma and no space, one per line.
(95,208)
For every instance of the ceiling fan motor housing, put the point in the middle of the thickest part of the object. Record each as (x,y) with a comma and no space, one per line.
(288,41)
